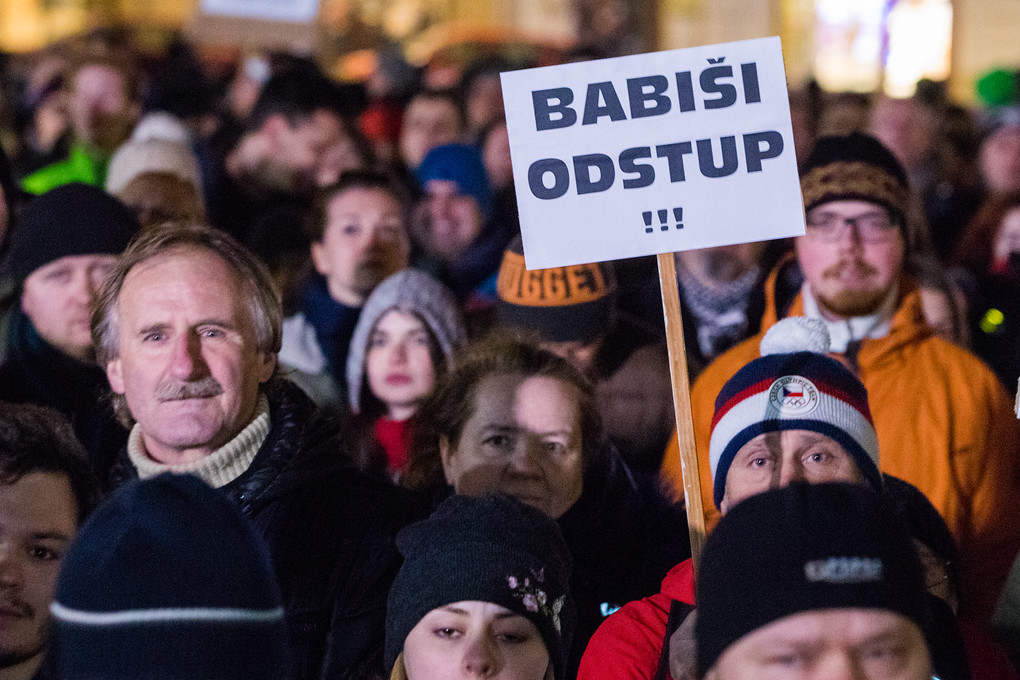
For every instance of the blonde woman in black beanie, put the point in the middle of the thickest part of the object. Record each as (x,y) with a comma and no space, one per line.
(483,592)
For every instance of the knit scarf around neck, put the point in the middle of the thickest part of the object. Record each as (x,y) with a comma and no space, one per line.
(220,467)
(720,310)
(333,323)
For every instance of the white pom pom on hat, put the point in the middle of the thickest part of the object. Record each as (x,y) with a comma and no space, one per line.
(796,334)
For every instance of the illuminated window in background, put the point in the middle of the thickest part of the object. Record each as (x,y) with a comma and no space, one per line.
(848,44)
(920,34)
(861,45)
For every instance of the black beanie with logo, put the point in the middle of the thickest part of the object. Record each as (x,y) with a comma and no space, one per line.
(804,547)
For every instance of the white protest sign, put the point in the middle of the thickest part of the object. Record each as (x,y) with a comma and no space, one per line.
(653,153)
(298,11)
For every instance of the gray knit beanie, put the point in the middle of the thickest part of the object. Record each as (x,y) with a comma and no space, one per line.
(412,292)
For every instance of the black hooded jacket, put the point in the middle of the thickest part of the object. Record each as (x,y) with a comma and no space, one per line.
(623,539)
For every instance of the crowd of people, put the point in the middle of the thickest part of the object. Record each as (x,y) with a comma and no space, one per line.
(280,398)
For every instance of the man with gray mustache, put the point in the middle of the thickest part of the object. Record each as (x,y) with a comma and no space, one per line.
(187,327)
(944,422)
(202,389)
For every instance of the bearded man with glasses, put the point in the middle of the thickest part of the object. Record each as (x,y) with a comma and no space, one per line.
(944,422)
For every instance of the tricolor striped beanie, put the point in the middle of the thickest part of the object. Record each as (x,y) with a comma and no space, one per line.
(793,386)
(168,581)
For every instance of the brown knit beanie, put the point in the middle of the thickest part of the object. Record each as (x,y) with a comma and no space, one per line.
(855,167)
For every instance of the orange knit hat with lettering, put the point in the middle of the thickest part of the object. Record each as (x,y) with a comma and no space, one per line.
(561,304)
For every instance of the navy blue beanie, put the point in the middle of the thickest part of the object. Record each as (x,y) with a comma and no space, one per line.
(794,385)
(460,163)
(167,581)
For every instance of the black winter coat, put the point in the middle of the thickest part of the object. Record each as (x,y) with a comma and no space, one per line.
(330,531)
(623,540)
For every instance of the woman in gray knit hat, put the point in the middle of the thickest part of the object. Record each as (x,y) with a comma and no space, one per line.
(406,335)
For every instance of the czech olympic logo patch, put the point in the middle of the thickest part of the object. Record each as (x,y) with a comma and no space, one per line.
(793,395)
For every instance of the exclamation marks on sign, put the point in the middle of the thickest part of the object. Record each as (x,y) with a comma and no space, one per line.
(663,215)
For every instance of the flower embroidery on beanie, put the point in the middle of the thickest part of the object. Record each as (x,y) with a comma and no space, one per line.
(535,599)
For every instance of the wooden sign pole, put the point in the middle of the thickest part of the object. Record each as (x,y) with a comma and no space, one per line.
(682,403)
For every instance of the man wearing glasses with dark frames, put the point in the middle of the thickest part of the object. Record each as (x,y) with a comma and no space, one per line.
(851,258)
(944,422)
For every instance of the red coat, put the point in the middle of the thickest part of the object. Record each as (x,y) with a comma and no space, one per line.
(627,646)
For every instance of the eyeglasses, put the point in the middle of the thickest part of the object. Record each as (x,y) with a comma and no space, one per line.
(872,227)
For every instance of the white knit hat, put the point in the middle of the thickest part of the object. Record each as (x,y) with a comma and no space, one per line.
(134,158)
(161,125)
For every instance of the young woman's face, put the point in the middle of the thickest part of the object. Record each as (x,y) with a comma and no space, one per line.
(474,639)
(399,363)
(364,241)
